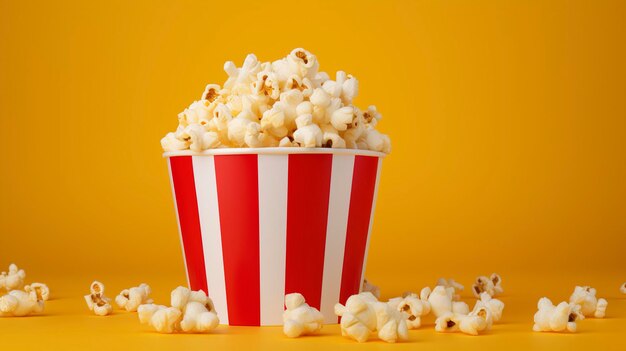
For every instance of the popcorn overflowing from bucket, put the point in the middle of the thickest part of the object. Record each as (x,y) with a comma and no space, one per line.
(285,103)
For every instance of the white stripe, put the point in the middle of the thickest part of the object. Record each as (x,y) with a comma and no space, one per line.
(208,211)
(369,230)
(273,177)
(338,209)
(180,232)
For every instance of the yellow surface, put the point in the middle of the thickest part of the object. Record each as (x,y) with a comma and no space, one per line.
(507,120)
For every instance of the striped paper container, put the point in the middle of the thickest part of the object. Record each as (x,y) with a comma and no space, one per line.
(256,224)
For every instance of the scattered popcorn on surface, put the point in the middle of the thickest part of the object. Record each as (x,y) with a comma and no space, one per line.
(491,285)
(390,323)
(96,301)
(18,303)
(191,312)
(198,310)
(369,287)
(622,288)
(130,299)
(491,305)
(414,308)
(161,318)
(39,289)
(590,305)
(285,103)
(13,279)
(451,283)
(358,317)
(556,318)
(468,324)
(299,318)
(441,302)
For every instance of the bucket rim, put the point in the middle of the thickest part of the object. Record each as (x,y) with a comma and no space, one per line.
(275,151)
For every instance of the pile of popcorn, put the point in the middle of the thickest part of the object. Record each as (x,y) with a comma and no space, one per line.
(286,103)
(364,315)
(21,300)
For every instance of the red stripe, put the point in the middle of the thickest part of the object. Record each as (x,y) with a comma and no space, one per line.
(187,204)
(361,198)
(238,200)
(307,214)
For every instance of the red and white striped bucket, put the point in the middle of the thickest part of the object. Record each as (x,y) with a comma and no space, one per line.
(257,224)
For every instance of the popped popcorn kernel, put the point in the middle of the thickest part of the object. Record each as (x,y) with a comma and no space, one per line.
(441,302)
(358,317)
(299,318)
(413,307)
(191,312)
(18,303)
(274,95)
(451,283)
(558,318)
(491,285)
(491,304)
(622,288)
(468,324)
(590,305)
(363,315)
(96,301)
(130,299)
(161,318)
(41,290)
(13,279)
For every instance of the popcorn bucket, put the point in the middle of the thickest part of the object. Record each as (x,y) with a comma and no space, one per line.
(256,224)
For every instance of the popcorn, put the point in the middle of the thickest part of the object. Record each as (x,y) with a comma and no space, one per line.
(171,143)
(307,134)
(358,317)
(331,138)
(363,314)
(303,84)
(191,312)
(369,287)
(590,305)
(556,318)
(161,318)
(341,117)
(320,98)
(130,299)
(299,318)
(491,285)
(211,92)
(41,291)
(622,288)
(18,303)
(413,307)
(289,102)
(441,302)
(273,122)
(451,283)
(490,304)
(96,301)
(260,102)
(390,323)
(181,296)
(13,279)
(468,324)
(302,63)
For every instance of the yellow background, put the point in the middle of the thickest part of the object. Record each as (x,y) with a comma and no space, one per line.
(507,118)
